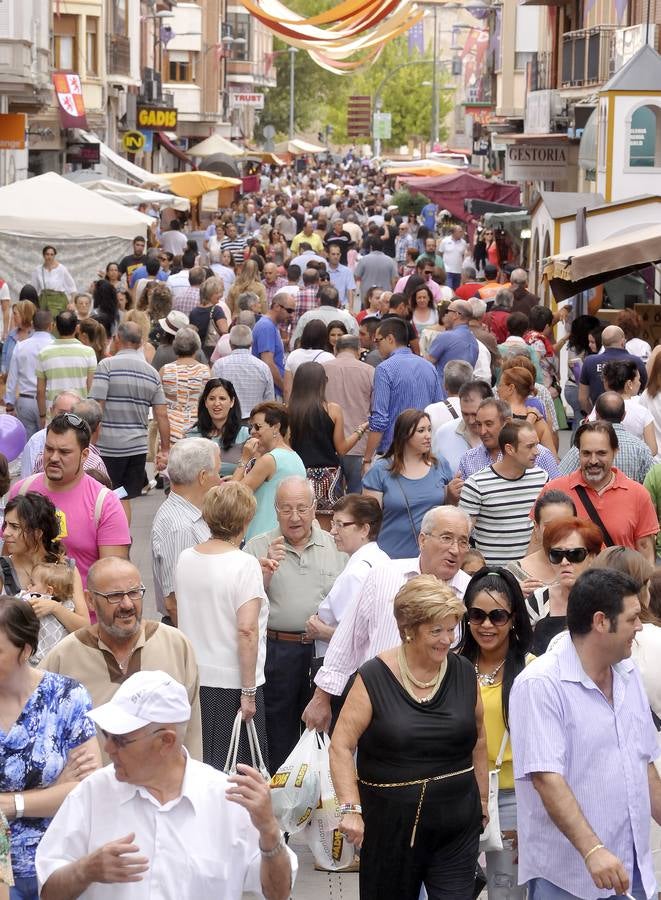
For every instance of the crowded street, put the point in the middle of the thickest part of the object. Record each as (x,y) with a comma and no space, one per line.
(330,450)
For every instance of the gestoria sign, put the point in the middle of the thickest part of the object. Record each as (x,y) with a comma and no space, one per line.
(536,162)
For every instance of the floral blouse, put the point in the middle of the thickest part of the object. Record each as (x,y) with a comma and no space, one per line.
(34,751)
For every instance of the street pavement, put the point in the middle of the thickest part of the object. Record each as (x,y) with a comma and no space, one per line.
(310,885)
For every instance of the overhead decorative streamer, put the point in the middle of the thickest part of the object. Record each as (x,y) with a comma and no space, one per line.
(356,31)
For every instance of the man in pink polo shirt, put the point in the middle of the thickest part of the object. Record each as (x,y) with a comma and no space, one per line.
(92,521)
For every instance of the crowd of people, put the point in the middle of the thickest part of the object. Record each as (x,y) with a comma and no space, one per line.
(371,526)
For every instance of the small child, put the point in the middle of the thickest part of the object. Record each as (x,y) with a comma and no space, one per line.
(50,581)
(473,562)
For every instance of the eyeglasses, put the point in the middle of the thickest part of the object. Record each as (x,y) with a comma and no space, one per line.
(496,616)
(575,555)
(115,597)
(377,340)
(121,741)
(336,523)
(255,426)
(447,540)
(299,510)
(290,309)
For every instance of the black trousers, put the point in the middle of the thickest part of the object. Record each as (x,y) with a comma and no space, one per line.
(287,692)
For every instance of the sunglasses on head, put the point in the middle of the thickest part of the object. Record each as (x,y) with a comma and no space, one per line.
(496,616)
(576,555)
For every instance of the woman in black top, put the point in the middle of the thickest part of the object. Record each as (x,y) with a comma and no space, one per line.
(316,430)
(415,716)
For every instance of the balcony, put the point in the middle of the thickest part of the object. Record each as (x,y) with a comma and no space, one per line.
(539,72)
(118,55)
(586,56)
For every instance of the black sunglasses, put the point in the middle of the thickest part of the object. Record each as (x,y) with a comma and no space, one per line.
(496,616)
(576,555)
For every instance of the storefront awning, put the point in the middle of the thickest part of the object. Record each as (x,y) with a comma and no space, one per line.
(570,273)
(115,166)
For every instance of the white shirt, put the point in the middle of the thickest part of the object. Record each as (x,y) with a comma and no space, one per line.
(31,451)
(368,627)
(226,275)
(453,254)
(22,377)
(639,347)
(57,279)
(297,357)
(174,242)
(178,282)
(210,590)
(439,413)
(636,416)
(198,845)
(482,367)
(348,585)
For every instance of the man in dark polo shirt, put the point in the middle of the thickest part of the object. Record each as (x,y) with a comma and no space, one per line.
(592,384)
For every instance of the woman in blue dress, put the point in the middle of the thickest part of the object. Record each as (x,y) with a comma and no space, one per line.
(408,481)
(47,742)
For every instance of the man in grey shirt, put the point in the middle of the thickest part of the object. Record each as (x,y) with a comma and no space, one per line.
(375,270)
(308,562)
(193,468)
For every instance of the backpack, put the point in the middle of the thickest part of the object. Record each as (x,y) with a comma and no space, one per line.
(98,506)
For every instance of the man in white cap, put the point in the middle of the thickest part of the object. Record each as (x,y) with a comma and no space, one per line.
(157,823)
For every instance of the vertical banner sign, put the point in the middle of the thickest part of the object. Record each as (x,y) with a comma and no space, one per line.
(359,116)
(69,93)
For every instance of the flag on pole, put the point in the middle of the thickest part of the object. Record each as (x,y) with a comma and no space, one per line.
(416,38)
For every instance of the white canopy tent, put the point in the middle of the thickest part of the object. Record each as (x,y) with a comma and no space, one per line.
(126,194)
(87,230)
(214,145)
(115,166)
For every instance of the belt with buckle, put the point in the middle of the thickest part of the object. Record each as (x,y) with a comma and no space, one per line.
(296,637)
(28,396)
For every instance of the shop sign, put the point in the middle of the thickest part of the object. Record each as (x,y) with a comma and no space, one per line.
(245,99)
(156,118)
(12,131)
(536,161)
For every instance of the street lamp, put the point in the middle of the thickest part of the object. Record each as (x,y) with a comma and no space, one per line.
(292,84)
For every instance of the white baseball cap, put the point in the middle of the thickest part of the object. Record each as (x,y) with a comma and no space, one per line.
(143,699)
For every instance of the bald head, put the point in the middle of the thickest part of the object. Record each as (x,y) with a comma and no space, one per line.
(110,568)
(610,407)
(612,336)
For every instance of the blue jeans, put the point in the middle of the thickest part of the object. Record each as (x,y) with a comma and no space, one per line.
(24,889)
(351,466)
(541,889)
(571,396)
(502,870)
(453,279)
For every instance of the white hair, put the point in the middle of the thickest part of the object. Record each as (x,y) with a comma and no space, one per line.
(294,481)
(190,457)
(429,518)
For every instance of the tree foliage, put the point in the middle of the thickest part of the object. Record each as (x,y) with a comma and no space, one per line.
(321,97)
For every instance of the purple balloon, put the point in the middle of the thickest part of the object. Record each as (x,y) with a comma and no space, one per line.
(12,437)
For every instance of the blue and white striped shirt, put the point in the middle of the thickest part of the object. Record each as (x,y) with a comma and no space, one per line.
(479,458)
(403,381)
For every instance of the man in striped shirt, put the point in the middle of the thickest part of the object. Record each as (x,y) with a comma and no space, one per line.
(235,244)
(64,365)
(584,746)
(499,498)
(368,626)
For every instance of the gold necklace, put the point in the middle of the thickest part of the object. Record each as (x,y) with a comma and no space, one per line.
(409,681)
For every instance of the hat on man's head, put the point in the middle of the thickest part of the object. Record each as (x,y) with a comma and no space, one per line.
(174,320)
(143,699)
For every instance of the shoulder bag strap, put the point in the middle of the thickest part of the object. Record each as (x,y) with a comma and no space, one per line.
(501,752)
(98,506)
(450,408)
(408,510)
(25,487)
(594,515)
(10,584)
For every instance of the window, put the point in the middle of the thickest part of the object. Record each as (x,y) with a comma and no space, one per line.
(239,24)
(65,49)
(645,138)
(181,66)
(91,45)
(119,17)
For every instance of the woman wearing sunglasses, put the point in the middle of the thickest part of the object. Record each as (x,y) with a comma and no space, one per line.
(570,545)
(497,641)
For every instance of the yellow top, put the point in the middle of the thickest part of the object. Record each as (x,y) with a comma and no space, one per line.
(492,701)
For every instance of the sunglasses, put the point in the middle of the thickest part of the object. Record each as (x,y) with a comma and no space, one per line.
(74,420)
(557,554)
(496,616)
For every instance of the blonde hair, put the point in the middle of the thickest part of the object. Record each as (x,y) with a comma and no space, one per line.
(141,319)
(26,310)
(228,508)
(59,576)
(424,599)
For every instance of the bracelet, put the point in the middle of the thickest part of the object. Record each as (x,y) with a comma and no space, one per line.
(248,692)
(594,850)
(279,847)
(345,808)
(19,806)
(366,460)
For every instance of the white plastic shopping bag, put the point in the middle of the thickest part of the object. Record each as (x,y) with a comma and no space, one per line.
(330,848)
(295,786)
